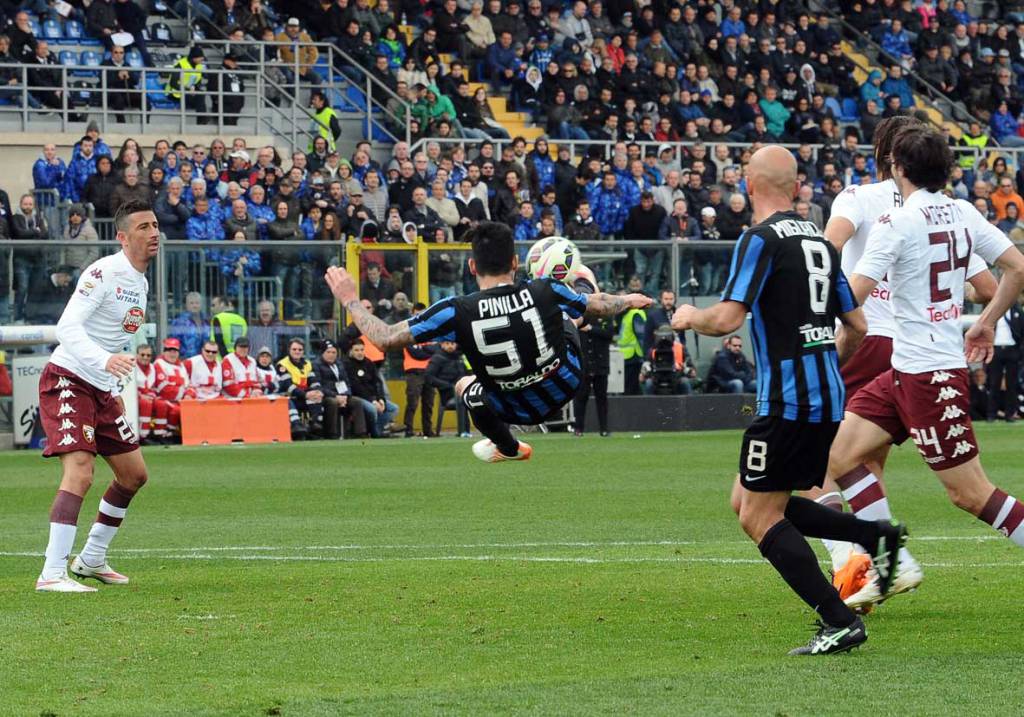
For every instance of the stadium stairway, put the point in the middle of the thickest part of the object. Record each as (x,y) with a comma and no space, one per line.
(863,66)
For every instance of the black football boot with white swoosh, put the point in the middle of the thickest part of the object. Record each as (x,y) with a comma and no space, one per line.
(829,640)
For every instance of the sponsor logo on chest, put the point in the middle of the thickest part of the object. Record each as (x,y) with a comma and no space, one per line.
(130,296)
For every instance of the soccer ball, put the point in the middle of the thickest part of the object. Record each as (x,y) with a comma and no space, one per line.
(553,258)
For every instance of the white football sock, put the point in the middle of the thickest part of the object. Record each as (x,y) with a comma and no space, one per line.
(94,552)
(58,550)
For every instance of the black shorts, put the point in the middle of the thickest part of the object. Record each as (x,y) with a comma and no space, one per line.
(781,455)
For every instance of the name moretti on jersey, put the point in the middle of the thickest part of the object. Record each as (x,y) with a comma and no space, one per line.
(942,214)
(502,305)
(817,335)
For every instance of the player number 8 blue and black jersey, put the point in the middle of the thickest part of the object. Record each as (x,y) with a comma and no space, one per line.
(515,338)
(788,276)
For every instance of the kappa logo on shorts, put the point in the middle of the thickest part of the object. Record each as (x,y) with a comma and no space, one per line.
(947,393)
(62,382)
(66,440)
(90,433)
(963,448)
(952,412)
(67,425)
(133,320)
(956,430)
(941,376)
(66,393)
(64,409)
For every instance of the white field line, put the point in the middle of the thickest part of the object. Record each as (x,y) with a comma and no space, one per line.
(465,546)
(500,558)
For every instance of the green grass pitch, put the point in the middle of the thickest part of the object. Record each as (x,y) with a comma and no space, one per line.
(606,576)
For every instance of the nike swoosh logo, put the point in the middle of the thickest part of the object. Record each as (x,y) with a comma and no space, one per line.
(752,479)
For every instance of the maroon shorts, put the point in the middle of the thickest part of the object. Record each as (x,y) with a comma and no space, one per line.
(77,416)
(932,408)
(871,359)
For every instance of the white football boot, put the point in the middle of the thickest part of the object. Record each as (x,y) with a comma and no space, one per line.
(63,584)
(486,451)
(104,573)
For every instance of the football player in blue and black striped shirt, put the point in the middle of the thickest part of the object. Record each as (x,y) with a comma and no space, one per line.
(787,276)
(516,334)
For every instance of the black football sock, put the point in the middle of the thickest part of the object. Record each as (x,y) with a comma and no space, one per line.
(495,429)
(786,549)
(818,521)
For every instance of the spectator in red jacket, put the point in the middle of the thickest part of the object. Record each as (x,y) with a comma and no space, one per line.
(238,371)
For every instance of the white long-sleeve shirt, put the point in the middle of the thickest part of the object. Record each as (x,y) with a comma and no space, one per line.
(108,306)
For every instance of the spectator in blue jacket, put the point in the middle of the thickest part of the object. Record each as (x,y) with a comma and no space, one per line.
(259,210)
(81,168)
(99,147)
(896,84)
(733,25)
(49,170)
(191,327)
(203,225)
(238,262)
(609,206)
(731,372)
(503,64)
(526,229)
(872,89)
(896,42)
(1005,126)
(540,168)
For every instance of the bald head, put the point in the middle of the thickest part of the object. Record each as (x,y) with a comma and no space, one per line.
(771,178)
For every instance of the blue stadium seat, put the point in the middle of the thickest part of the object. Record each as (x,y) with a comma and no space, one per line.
(156,96)
(160,33)
(850,111)
(833,104)
(67,57)
(37,30)
(73,31)
(133,57)
(52,30)
(90,58)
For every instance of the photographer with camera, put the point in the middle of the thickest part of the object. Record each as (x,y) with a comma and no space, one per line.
(668,371)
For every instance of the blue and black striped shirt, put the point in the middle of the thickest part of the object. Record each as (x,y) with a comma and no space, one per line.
(788,275)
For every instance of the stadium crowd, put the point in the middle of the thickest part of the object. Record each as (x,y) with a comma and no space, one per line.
(680,95)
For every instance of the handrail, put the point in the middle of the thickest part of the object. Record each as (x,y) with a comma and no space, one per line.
(372,83)
(932,91)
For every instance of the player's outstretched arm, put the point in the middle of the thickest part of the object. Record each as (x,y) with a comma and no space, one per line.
(980,338)
(718,320)
(851,333)
(381,335)
(601,304)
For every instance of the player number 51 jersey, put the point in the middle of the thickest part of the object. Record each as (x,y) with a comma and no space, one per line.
(107,308)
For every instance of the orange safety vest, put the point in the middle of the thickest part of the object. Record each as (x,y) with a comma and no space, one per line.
(411,364)
(373,354)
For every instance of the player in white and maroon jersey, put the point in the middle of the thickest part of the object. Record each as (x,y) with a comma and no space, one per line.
(204,372)
(172,386)
(241,379)
(924,248)
(145,382)
(79,406)
(853,216)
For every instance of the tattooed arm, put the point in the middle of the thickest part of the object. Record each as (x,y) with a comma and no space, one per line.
(381,335)
(600,304)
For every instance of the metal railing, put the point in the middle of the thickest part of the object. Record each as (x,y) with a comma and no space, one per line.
(949,108)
